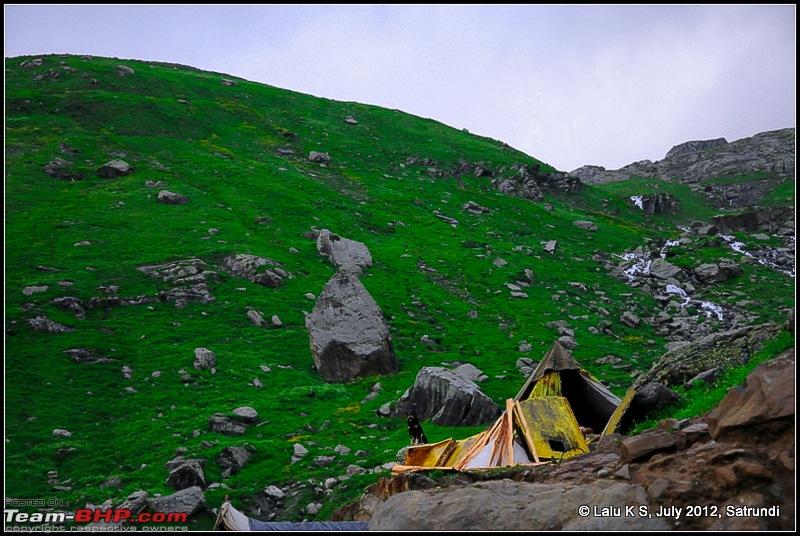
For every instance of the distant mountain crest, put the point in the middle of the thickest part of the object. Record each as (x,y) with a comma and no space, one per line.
(695,146)
(692,161)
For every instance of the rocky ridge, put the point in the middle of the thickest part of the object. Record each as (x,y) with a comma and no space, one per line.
(768,152)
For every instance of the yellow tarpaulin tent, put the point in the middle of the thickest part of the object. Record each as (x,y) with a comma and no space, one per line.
(548,419)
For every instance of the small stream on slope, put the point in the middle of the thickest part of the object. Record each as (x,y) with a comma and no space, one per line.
(641,260)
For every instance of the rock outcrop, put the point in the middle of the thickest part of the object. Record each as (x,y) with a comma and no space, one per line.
(769,219)
(258,270)
(349,338)
(189,280)
(447,399)
(725,349)
(767,152)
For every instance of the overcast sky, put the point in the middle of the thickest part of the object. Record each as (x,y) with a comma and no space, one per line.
(569,85)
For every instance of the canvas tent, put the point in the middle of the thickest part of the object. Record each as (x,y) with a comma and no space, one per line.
(546,420)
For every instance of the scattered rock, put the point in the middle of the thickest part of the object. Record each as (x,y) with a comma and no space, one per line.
(34,289)
(123,70)
(86,355)
(630,319)
(551,247)
(224,425)
(233,459)
(246,414)
(324,461)
(323,158)
(586,225)
(171,198)
(662,269)
(341,450)
(64,170)
(644,445)
(42,323)
(474,208)
(256,318)
(470,373)
(650,397)
(298,453)
(568,342)
(204,359)
(186,474)
(61,432)
(708,377)
(114,169)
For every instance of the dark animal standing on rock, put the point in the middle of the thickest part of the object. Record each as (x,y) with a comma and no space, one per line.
(415,430)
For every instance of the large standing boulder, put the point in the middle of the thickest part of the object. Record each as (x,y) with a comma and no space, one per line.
(446,399)
(349,339)
(341,251)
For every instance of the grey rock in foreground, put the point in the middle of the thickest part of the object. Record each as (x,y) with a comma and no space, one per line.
(514,506)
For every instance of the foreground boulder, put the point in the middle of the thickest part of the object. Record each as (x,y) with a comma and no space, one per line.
(445,398)
(514,506)
(765,400)
(348,337)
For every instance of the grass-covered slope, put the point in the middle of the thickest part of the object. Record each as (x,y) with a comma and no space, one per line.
(217,144)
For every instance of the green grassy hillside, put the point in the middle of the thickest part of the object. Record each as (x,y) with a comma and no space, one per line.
(218,145)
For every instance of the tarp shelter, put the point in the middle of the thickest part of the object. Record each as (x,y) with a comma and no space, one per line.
(546,420)
(231,519)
